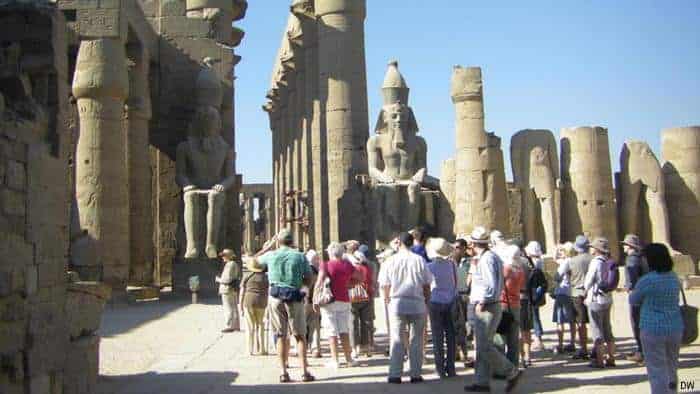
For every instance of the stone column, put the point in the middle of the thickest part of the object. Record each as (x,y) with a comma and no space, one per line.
(300,132)
(588,199)
(249,240)
(343,89)
(269,218)
(101,86)
(680,149)
(139,169)
(284,171)
(447,202)
(480,194)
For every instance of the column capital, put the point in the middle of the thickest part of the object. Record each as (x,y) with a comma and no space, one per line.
(326,7)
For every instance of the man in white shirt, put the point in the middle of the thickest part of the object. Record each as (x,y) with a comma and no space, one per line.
(405,283)
(229,282)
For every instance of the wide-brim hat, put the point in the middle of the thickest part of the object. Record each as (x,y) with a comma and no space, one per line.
(228,253)
(438,247)
(633,241)
(601,244)
(581,244)
(251,264)
(479,236)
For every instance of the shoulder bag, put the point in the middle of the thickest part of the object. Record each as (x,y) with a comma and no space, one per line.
(690,321)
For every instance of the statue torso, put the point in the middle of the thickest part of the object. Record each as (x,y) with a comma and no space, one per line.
(206,168)
(399,163)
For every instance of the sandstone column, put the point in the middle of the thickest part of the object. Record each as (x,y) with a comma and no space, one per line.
(101,85)
(269,218)
(480,191)
(139,169)
(343,88)
(446,219)
(588,199)
(680,149)
(284,172)
(249,220)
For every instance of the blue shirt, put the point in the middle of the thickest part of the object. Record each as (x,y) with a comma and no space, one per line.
(443,288)
(487,279)
(657,293)
(420,251)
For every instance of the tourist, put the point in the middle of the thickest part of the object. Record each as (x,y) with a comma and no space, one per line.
(253,298)
(229,282)
(313,317)
(599,303)
(374,266)
(513,283)
(487,284)
(405,283)
(563,312)
(361,298)
(578,267)
(660,323)
(635,268)
(538,286)
(526,316)
(460,260)
(419,238)
(442,305)
(288,270)
(337,315)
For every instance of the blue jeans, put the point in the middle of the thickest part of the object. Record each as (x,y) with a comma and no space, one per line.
(443,328)
(537,323)
(397,325)
(661,358)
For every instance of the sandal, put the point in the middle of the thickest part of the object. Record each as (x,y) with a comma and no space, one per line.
(284,378)
(307,377)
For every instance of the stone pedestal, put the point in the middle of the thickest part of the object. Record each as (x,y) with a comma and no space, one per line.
(390,207)
(206,269)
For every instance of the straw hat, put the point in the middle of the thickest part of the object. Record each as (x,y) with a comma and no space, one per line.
(228,253)
(438,247)
(601,244)
(479,236)
(632,241)
(251,264)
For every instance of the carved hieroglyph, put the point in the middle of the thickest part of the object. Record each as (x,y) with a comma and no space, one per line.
(588,199)
(480,188)
(205,169)
(642,192)
(680,149)
(101,86)
(396,158)
(535,165)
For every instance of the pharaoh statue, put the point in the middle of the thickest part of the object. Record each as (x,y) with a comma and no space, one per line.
(643,209)
(536,172)
(396,157)
(204,170)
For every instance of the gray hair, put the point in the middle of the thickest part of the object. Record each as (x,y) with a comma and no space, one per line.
(336,250)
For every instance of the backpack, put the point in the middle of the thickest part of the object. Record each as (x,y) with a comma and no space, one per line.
(609,276)
(538,285)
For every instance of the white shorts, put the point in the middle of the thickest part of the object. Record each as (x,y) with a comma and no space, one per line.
(336,318)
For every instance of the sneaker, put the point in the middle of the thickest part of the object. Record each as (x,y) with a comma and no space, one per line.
(475,388)
(513,381)
(394,380)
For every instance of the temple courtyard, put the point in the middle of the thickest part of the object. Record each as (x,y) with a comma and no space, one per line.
(173,346)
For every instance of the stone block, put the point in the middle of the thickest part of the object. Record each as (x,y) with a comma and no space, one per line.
(181,26)
(84,305)
(15,175)
(13,366)
(12,337)
(31,280)
(48,333)
(40,384)
(12,245)
(81,368)
(101,23)
(78,4)
(172,8)
(13,202)
(5,283)
(12,308)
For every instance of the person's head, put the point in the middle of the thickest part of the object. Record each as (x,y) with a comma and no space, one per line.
(395,243)
(418,234)
(405,240)
(336,250)
(285,238)
(227,255)
(351,246)
(567,250)
(511,255)
(460,249)
(631,244)
(313,257)
(658,257)
(478,239)
(600,247)
(364,249)
(438,248)
(496,238)
(252,264)
(533,249)
(581,245)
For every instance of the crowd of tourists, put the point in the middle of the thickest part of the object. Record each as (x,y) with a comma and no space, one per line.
(481,293)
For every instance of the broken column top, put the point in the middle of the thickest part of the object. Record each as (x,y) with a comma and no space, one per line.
(394,88)
(208,86)
(466,84)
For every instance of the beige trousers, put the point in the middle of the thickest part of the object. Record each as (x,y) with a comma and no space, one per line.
(229,302)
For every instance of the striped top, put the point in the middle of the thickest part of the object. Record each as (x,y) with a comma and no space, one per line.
(658,294)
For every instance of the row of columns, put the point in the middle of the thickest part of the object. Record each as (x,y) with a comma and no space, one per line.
(318,117)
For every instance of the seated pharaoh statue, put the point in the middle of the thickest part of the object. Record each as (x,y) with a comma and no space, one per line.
(205,172)
(397,160)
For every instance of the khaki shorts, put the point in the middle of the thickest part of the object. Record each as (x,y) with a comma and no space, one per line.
(285,316)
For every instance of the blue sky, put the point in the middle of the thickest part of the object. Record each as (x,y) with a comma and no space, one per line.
(630,66)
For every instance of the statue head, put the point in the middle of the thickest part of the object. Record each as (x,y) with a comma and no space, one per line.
(641,163)
(206,127)
(398,122)
(538,156)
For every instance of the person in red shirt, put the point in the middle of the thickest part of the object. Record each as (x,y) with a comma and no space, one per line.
(514,281)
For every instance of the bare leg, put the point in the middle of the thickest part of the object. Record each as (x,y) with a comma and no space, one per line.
(572,332)
(560,335)
(526,339)
(583,337)
(345,343)
(191,219)
(282,352)
(333,343)
(301,351)
(611,350)
(215,202)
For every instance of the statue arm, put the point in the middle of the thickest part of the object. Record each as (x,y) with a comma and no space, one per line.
(181,168)
(229,174)
(373,160)
(421,163)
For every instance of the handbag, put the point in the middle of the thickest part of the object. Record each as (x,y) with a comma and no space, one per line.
(323,295)
(690,321)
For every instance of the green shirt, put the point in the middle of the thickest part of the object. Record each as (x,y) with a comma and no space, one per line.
(286,267)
